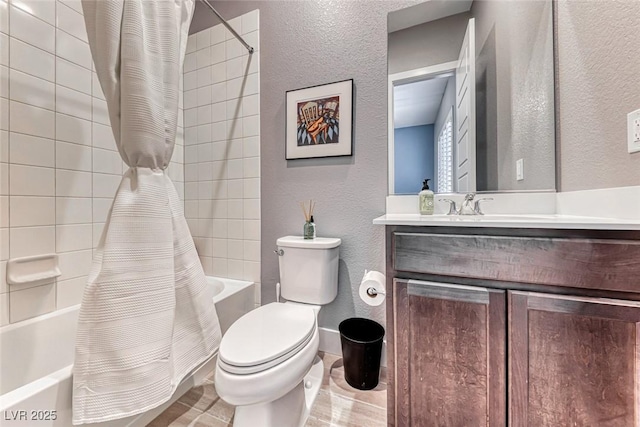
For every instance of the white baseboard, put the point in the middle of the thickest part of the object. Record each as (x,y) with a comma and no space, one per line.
(330,343)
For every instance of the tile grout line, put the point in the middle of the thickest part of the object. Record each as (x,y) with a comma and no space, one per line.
(91,136)
(10,4)
(55,159)
(54,26)
(187,405)
(9,100)
(213,416)
(54,138)
(92,144)
(56,57)
(9,159)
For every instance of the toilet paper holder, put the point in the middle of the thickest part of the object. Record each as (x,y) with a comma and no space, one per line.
(373,292)
(372,288)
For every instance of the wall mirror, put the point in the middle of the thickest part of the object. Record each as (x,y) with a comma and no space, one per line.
(471,97)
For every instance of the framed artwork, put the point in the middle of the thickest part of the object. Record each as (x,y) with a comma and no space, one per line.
(319,121)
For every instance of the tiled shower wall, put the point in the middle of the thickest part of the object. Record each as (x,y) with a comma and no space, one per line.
(59,166)
(222,148)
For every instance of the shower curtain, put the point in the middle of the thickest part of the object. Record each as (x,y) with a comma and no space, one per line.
(147,317)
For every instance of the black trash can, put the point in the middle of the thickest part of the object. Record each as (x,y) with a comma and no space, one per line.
(361,341)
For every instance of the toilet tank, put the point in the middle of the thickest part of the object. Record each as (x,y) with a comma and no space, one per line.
(308,269)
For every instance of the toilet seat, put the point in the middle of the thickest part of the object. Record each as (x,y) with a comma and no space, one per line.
(266,337)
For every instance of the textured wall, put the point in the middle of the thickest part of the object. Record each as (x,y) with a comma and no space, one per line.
(304,44)
(310,43)
(599,83)
(521,35)
(427,44)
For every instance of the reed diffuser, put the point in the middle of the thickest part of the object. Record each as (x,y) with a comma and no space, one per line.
(309,229)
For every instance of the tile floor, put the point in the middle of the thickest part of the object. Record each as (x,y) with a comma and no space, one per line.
(337,404)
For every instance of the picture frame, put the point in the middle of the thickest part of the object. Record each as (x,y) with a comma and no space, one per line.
(319,121)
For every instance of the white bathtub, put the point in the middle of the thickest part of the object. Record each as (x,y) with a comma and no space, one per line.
(37,357)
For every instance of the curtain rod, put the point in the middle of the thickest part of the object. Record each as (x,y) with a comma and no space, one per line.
(226,24)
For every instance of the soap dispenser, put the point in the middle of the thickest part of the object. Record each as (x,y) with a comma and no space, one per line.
(426,199)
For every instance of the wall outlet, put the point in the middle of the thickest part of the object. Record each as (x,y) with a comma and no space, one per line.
(520,169)
(633,131)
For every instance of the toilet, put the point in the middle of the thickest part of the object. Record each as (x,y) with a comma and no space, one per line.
(268,366)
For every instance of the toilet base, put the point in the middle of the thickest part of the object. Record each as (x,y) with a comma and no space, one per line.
(313,381)
(291,410)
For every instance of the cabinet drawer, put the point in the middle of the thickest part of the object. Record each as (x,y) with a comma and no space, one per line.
(582,263)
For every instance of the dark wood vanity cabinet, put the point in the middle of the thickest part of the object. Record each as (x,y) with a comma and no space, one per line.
(573,361)
(450,343)
(495,327)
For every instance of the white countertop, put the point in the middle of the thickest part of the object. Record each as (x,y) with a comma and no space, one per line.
(510,221)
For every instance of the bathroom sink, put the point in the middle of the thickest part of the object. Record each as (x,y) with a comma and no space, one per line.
(497,218)
(509,221)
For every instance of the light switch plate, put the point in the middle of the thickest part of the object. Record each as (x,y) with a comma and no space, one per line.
(520,169)
(633,131)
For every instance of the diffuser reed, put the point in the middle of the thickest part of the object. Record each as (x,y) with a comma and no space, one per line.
(309,229)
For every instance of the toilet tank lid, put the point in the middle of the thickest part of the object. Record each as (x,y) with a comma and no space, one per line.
(300,242)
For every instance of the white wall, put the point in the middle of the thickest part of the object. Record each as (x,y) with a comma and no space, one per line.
(222,149)
(59,167)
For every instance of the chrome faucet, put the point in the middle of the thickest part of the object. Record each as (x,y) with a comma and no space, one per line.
(476,206)
(469,205)
(452,206)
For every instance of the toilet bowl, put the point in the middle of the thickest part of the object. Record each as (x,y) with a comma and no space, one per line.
(263,360)
(267,363)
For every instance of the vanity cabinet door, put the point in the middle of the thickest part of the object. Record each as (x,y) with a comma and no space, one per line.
(573,361)
(449,355)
